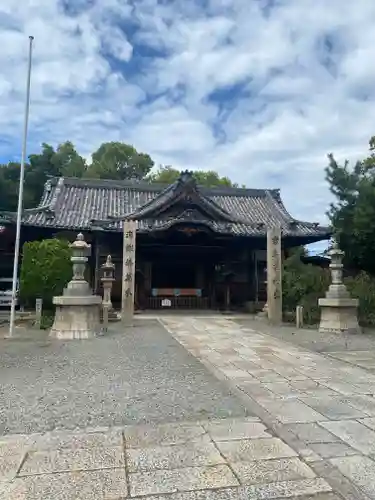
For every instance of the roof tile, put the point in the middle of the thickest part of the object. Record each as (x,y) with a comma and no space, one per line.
(71,203)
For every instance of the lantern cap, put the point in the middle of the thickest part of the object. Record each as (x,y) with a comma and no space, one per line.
(80,243)
(108,263)
(335,250)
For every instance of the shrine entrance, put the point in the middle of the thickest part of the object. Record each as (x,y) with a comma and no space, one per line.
(179,272)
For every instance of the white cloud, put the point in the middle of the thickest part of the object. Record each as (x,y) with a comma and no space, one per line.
(261,95)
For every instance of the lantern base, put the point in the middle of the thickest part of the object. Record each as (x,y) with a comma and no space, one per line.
(339,315)
(76,317)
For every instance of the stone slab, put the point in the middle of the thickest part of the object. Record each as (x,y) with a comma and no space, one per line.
(43,462)
(236,373)
(354,434)
(228,430)
(343,388)
(368,422)
(332,408)
(93,485)
(282,389)
(13,445)
(171,481)
(291,411)
(193,454)
(255,449)
(330,450)
(360,470)
(77,440)
(321,496)
(12,453)
(364,404)
(270,471)
(288,489)
(232,493)
(9,466)
(312,433)
(254,389)
(141,436)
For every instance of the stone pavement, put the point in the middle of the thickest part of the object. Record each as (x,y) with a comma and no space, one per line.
(308,434)
(322,407)
(213,460)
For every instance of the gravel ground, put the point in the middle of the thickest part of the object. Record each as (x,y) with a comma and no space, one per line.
(311,339)
(143,376)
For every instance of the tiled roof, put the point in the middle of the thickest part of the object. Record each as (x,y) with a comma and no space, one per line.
(78,204)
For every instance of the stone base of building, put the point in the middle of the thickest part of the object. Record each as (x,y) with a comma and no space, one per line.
(339,315)
(76,317)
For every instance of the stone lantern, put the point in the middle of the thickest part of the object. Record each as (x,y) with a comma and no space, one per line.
(77,310)
(338,310)
(108,277)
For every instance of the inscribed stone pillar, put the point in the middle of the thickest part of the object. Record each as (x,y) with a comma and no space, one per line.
(274,292)
(128,272)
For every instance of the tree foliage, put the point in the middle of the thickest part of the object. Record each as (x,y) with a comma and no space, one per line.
(167,175)
(46,269)
(116,160)
(112,160)
(352,214)
(64,161)
(303,284)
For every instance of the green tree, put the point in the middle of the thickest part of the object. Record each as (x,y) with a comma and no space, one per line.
(68,162)
(168,175)
(352,214)
(116,160)
(45,270)
(64,161)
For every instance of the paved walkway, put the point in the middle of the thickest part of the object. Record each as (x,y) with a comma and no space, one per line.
(323,408)
(310,433)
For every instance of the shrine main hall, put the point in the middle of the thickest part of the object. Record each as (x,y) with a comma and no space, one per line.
(196,247)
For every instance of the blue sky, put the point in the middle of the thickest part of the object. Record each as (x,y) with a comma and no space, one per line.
(258,90)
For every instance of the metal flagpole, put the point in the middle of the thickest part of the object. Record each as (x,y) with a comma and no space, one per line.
(20,193)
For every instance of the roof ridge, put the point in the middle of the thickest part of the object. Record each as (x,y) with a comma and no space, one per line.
(156,187)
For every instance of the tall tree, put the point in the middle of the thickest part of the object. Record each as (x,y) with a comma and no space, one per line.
(68,161)
(167,175)
(64,161)
(353,212)
(116,160)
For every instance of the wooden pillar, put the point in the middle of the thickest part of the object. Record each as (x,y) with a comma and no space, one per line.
(128,273)
(274,291)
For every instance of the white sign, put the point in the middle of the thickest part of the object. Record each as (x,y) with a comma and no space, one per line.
(166,303)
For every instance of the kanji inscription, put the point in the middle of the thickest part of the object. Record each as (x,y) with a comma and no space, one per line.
(128,271)
(274,284)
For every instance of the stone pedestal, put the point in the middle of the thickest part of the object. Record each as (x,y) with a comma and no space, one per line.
(76,317)
(77,310)
(338,311)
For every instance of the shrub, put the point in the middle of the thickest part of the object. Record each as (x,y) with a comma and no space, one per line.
(303,284)
(362,287)
(45,270)
(47,320)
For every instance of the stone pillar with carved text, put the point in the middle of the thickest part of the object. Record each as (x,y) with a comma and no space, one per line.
(128,272)
(274,285)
